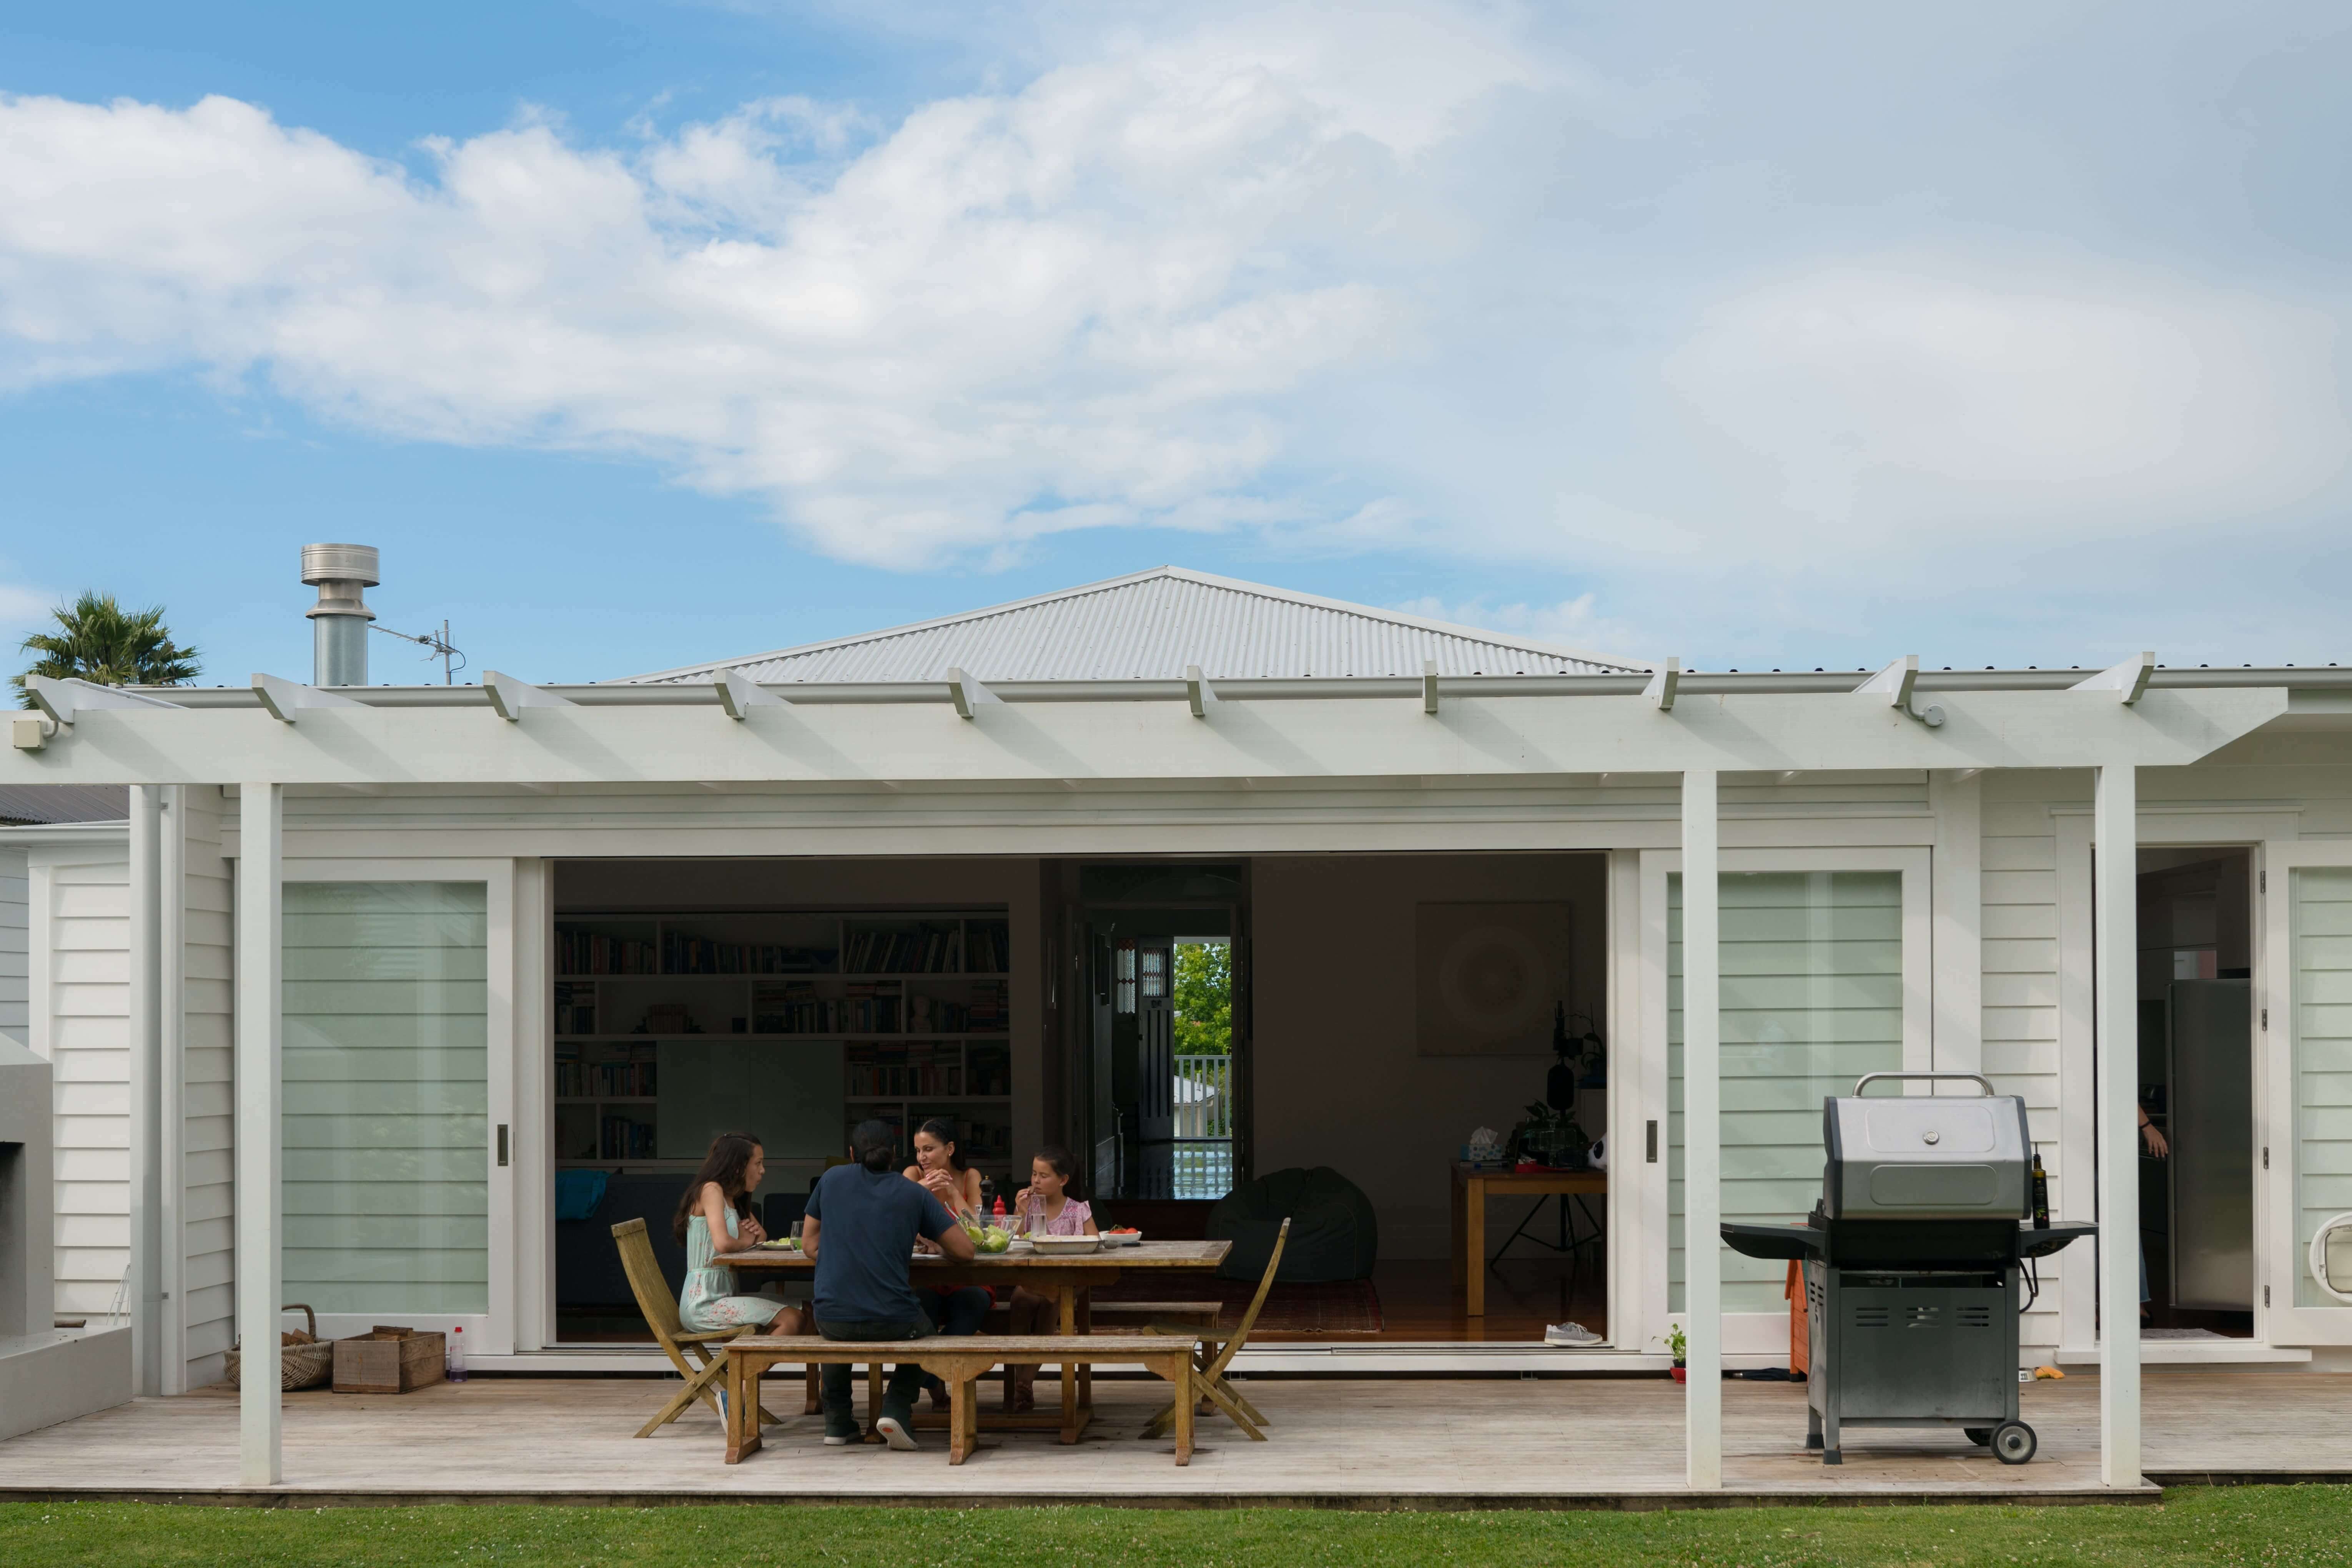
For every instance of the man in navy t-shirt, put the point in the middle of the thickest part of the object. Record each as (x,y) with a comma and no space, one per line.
(861,1224)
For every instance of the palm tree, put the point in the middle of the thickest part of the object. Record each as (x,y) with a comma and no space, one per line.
(101,642)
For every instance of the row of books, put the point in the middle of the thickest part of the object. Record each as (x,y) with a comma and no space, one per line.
(905,1069)
(988,1069)
(622,1138)
(623,1070)
(591,952)
(989,1138)
(575,1009)
(935,950)
(683,955)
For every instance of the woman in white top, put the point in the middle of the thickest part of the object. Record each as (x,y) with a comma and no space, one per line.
(716,1204)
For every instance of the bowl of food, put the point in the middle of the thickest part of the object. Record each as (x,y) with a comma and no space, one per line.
(1122,1236)
(1065,1246)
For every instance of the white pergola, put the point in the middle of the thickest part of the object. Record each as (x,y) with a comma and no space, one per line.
(963,733)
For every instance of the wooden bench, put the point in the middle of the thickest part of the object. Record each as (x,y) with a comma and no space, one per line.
(960,1361)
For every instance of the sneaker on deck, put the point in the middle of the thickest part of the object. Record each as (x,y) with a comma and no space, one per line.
(898,1431)
(1570,1334)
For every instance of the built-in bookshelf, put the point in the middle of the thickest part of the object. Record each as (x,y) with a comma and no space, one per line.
(797,1024)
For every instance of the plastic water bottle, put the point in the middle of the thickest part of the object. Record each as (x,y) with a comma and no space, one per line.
(456,1371)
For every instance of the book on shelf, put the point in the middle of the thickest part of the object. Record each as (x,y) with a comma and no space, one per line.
(685,954)
(879,1068)
(624,1139)
(933,949)
(594,953)
(623,1070)
(575,1009)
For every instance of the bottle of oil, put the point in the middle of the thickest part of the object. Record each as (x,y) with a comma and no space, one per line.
(2040,1192)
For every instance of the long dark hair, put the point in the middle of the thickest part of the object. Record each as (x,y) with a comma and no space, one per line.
(731,1155)
(943,1130)
(1065,1167)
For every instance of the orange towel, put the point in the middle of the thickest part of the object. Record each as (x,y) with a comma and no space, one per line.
(1799,1332)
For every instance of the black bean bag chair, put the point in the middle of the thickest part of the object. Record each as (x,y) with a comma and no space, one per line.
(1333,1233)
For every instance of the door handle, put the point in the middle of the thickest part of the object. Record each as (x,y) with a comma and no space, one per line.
(502,1143)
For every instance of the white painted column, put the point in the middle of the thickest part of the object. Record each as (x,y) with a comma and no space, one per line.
(1956,799)
(260,1092)
(171,1101)
(2116,847)
(1702,1136)
(143,1288)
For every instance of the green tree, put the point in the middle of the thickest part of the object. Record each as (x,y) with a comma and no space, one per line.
(99,641)
(1204,1025)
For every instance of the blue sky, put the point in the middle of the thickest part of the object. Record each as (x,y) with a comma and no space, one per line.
(641,334)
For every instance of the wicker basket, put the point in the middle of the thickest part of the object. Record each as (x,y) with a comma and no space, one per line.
(303,1361)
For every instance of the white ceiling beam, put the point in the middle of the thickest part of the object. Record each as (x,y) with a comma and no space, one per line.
(285,699)
(738,694)
(2128,680)
(1199,695)
(968,694)
(1429,685)
(510,696)
(1663,682)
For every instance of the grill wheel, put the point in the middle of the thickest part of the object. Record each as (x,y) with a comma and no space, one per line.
(2014,1442)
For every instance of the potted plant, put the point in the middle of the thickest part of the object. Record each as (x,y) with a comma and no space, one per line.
(1678,1347)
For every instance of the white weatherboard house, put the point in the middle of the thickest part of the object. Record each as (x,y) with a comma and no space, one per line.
(485,950)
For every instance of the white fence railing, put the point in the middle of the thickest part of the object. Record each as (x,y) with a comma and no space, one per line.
(1204,1097)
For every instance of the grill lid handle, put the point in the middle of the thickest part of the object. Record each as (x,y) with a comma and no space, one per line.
(1981,1081)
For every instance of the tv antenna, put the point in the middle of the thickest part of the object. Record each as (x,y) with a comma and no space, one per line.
(452,657)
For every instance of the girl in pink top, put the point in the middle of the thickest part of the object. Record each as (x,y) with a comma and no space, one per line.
(1050,1210)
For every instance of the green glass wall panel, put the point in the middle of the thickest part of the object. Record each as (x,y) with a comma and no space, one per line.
(2321,921)
(1811,995)
(386,1178)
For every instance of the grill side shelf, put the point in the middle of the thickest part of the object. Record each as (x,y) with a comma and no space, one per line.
(1778,1241)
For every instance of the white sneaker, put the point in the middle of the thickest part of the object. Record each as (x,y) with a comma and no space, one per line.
(894,1431)
(1570,1334)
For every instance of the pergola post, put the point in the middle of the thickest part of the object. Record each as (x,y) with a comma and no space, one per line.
(145,1007)
(259,1273)
(1702,1137)
(2116,959)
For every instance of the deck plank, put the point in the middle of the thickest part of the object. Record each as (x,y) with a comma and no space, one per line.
(1332,1441)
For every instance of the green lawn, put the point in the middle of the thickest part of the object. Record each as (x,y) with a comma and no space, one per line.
(2264,1525)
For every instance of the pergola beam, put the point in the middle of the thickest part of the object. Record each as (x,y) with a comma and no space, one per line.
(1664,684)
(2128,680)
(285,699)
(738,694)
(510,696)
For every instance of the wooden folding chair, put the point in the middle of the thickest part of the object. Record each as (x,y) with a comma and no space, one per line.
(708,1366)
(1211,1358)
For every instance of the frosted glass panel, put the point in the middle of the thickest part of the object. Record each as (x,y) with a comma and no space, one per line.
(1811,999)
(2322,936)
(386,1175)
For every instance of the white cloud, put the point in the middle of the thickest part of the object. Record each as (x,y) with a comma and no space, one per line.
(1076,305)
(2077,403)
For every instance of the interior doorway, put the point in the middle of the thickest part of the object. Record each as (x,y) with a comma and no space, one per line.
(2196,1090)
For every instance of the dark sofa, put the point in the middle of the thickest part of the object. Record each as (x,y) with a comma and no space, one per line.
(1333,1232)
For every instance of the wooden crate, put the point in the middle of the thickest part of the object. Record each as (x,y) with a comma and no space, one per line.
(388,1360)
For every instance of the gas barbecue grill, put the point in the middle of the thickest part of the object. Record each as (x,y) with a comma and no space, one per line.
(1913,1261)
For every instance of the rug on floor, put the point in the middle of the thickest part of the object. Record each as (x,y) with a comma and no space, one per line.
(1336,1307)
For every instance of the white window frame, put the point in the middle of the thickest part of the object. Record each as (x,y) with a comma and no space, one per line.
(1758,1333)
(491,1332)
(2280,1265)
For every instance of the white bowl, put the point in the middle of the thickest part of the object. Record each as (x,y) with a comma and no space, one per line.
(1134,1238)
(1062,1245)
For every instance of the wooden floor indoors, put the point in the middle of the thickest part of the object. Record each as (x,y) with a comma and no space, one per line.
(1394,1442)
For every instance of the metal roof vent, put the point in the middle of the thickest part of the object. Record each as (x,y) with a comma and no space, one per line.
(339,653)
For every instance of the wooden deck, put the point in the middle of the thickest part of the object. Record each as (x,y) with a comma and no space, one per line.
(1425,1443)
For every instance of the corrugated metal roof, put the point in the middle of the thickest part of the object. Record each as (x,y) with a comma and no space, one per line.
(1151,625)
(23,806)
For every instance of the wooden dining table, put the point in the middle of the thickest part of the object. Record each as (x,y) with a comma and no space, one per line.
(1069,1278)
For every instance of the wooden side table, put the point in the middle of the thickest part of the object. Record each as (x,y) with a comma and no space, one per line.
(1471,1191)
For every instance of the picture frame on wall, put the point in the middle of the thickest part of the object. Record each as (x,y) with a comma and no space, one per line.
(1488,976)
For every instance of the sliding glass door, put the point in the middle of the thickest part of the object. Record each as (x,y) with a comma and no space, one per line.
(1825,969)
(388,1136)
(2306,1130)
